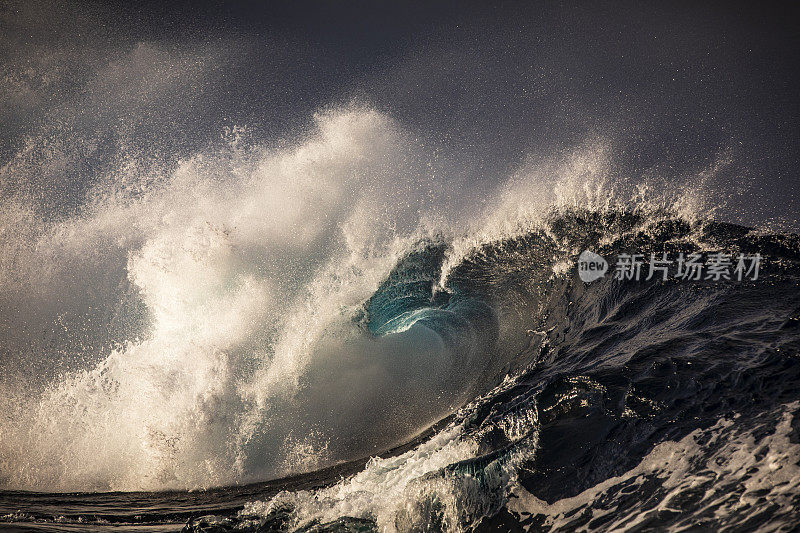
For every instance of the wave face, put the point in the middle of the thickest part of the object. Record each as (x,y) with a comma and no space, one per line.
(260,312)
(627,405)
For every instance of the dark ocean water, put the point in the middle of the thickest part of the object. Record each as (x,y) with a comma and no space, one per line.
(612,405)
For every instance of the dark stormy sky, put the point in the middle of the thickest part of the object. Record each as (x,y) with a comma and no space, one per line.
(674,86)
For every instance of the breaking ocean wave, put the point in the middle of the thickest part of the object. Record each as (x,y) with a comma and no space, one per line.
(295,338)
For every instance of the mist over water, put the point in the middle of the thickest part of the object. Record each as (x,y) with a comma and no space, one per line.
(242,270)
